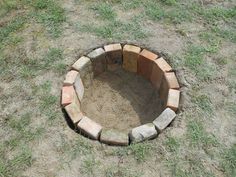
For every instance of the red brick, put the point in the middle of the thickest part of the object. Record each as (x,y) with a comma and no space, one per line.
(67,95)
(130,57)
(173,99)
(90,128)
(73,110)
(98,59)
(159,68)
(145,63)
(70,77)
(169,81)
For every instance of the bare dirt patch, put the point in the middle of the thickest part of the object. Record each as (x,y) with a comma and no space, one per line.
(121,100)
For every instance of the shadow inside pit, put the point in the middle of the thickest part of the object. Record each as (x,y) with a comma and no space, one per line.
(68,120)
(121,96)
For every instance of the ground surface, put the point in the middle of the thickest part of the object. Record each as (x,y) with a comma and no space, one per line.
(39,41)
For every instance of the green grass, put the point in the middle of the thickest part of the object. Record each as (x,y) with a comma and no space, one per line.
(203,102)
(89,165)
(11,27)
(104,11)
(15,167)
(228,161)
(198,137)
(140,151)
(172,144)
(50,14)
(117,171)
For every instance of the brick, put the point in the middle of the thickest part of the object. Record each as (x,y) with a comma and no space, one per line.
(169,81)
(73,111)
(79,87)
(159,68)
(143,132)
(98,59)
(114,137)
(89,127)
(70,77)
(67,95)
(145,63)
(173,99)
(130,57)
(84,66)
(113,56)
(164,119)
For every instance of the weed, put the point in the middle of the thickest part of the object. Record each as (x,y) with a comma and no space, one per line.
(169,2)
(126,4)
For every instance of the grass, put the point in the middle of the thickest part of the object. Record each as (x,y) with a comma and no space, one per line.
(228,161)
(50,14)
(11,27)
(198,137)
(140,151)
(15,166)
(204,103)
(104,11)
(172,144)
(89,165)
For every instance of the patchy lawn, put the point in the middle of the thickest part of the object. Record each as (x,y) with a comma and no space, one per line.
(39,41)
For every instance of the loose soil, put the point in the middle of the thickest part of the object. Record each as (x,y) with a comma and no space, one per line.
(121,100)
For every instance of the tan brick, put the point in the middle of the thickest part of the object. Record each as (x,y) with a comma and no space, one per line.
(84,66)
(73,110)
(114,137)
(159,68)
(113,56)
(67,95)
(89,127)
(98,59)
(70,77)
(164,119)
(143,132)
(173,99)
(145,63)
(79,87)
(169,81)
(130,57)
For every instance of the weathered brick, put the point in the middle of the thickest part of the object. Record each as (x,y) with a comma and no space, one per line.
(98,59)
(67,95)
(84,66)
(143,132)
(173,99)
(89,127)
(164,119)
(114,137)
(73,111)
(79,87)
(70,77)
(169,81)
(113,56)
(145,63)
(159,68)
(130,57)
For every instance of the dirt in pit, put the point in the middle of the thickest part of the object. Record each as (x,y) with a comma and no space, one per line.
(121,100)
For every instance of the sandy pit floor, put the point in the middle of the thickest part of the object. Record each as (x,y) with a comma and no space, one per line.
(121,100)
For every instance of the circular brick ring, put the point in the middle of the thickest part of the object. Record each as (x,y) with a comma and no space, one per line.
(133,59)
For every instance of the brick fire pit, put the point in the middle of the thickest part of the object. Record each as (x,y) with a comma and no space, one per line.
(133,59)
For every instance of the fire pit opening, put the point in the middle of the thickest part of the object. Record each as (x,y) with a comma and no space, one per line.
(120,94)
